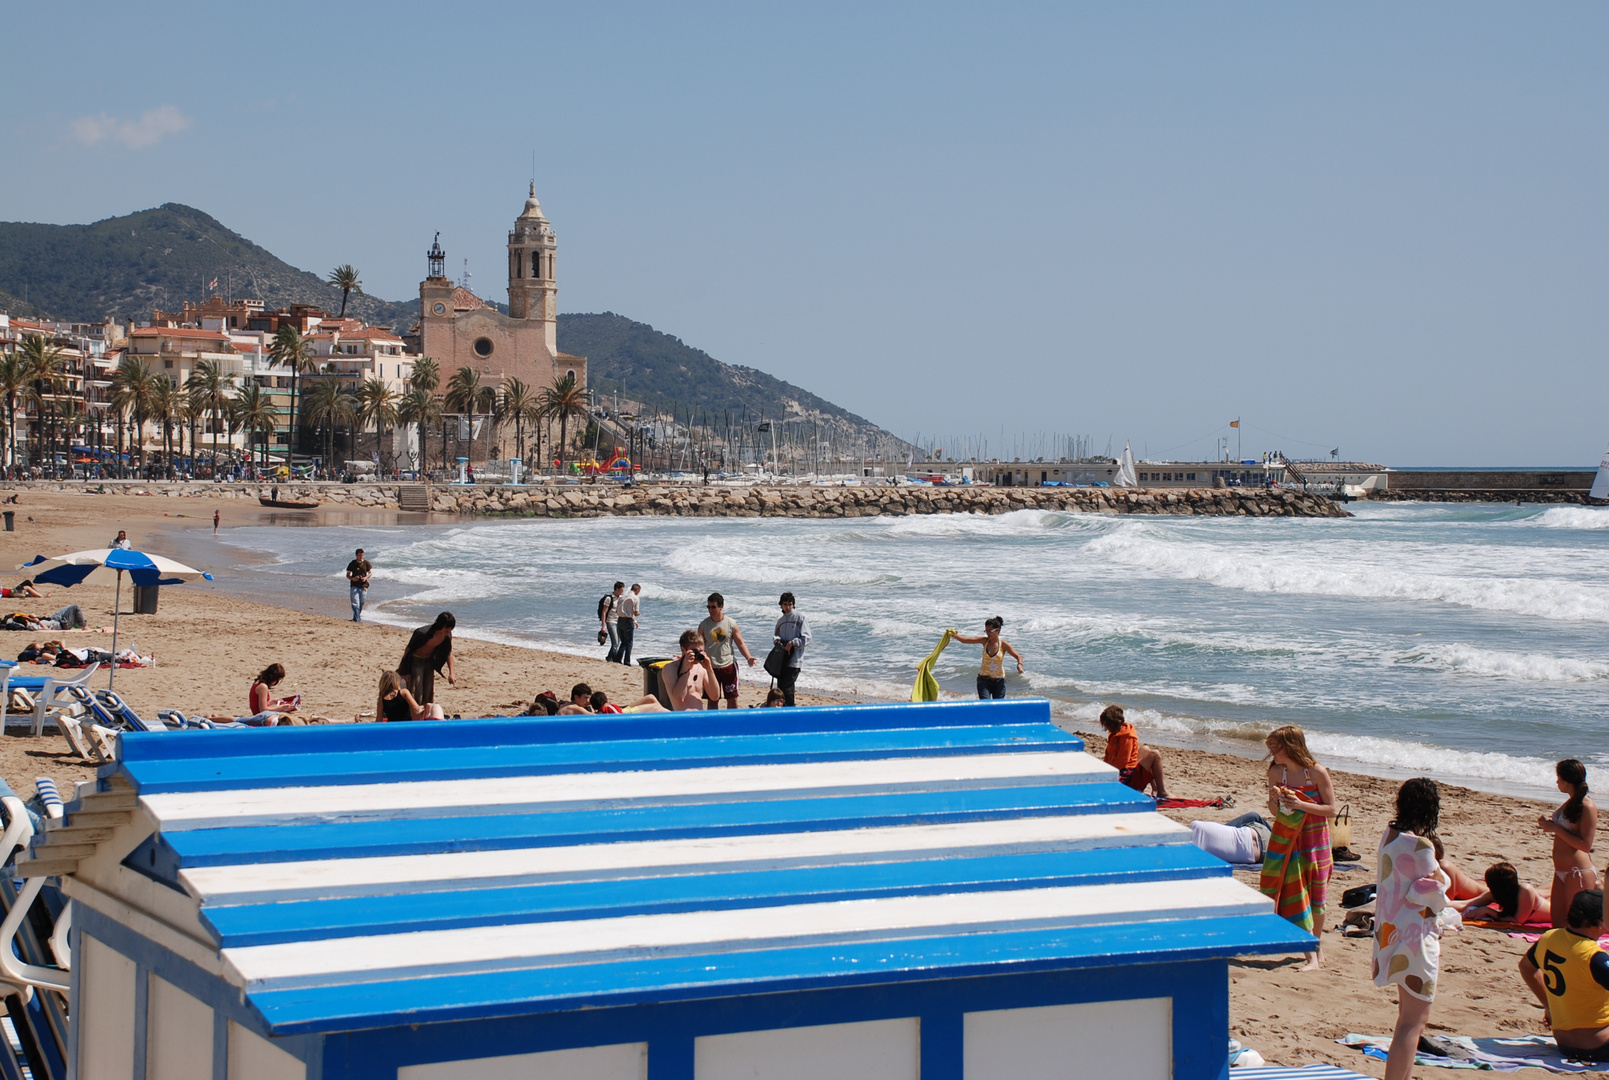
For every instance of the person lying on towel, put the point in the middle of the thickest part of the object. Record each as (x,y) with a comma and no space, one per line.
(1137,766)
(1568,971)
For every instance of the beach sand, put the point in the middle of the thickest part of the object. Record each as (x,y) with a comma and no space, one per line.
(208,646)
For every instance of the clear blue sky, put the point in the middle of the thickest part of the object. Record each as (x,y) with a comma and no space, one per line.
(1374,226)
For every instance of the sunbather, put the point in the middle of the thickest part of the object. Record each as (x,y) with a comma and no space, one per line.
(396,704)
(600,704)
(36,653)
(25,587)
(70,617)
(264,706)
(1137,766)
(1568,972)
(690,679)
(1507,898)
(1461,885)
(580,700)
(1243,840)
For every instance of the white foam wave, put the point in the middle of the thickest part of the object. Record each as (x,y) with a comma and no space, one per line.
(1526,667)
(1572,517)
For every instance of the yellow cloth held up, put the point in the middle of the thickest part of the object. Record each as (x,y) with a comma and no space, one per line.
(926,687)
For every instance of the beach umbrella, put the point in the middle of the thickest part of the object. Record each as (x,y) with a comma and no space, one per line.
(99,565)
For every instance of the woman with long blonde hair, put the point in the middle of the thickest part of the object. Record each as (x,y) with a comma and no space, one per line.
(1297,861)
(396,703)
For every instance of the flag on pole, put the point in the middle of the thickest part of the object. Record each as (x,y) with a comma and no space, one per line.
(1234,423)
(213,284)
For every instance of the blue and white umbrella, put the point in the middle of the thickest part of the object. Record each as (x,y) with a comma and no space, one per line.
(97,566)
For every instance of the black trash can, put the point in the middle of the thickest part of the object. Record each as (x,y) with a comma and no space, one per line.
(11,520)
(651,682)
(145,597)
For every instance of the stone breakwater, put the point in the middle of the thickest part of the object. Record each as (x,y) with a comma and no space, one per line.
(716,500)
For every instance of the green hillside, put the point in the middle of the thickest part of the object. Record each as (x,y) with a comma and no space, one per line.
(126,266)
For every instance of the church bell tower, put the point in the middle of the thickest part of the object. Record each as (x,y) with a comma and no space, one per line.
(532,276)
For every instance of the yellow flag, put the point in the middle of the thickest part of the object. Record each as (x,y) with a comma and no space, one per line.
(1234,423)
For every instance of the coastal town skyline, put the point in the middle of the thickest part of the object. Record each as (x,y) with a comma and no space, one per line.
(1112,224)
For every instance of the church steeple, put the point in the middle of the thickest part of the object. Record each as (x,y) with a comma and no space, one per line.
(532,276)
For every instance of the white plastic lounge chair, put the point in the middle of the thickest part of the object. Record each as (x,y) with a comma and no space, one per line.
(73,732)
(104,740)
(50,796)
(51,694)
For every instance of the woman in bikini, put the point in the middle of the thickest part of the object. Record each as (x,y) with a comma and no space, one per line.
(1574,826)
(992,672)
(1297,862)
(396,704)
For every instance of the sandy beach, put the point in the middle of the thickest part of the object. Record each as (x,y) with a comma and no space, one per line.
(208,645)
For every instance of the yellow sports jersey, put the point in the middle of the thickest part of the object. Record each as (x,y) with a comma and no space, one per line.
(1576,973)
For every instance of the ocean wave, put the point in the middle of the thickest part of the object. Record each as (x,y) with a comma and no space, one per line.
(1572,517)
(1524,667)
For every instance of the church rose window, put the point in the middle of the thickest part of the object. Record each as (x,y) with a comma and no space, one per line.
(483,346)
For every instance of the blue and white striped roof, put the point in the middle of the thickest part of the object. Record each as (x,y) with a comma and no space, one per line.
(357,877)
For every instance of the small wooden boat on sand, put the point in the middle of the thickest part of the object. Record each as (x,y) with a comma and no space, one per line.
(286,504)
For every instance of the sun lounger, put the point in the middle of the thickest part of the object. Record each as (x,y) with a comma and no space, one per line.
(104,740)
(49,796)
(73,732)
(131,719)
(37,1013)
(50,692)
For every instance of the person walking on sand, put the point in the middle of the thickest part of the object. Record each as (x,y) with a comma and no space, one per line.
(1574,827)
(217,516)
(358,572)
(609,621)
(793,634)
(430,648)
(1412,911)
(626,624)
(1297,864)
(720,634)
(992,672)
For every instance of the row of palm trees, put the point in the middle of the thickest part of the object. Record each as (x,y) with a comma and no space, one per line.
(35,375)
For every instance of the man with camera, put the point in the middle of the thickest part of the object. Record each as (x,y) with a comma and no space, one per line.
(690,678)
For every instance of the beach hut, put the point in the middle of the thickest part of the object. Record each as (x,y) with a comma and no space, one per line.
(954,891)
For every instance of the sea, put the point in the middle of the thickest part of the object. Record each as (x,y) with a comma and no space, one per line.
(1465,642)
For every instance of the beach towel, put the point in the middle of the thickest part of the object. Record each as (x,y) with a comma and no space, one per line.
(1535,936)
(926,687)
(1220,803)
(1305,1072)
(1296,866)
(1492,1055)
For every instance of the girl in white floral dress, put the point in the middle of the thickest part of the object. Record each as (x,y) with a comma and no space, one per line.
(1411,912)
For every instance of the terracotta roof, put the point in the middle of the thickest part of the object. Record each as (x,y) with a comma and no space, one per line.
(464,300)
(371,333)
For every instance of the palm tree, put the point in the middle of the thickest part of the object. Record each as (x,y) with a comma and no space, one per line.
(292,350)
(422,409)
(328,406)
(42,363)
(464,393)
(563,401)
(377,405)
(520,405)
(210,387)
(426,374)
(345,278)
(254,412)
(13,380)
(165,397)
(131,396)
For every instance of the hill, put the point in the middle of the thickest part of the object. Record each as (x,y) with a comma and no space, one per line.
(636,361)
(126,266)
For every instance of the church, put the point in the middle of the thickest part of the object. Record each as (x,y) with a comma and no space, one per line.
(458,329)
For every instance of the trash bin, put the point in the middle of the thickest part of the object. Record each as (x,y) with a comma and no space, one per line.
(145,599)
(11,520)
(651,682)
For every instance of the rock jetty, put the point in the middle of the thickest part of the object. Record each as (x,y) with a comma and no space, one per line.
(718,500)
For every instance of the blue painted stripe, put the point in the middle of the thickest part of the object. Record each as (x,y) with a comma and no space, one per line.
(270,923)
(514,993)
(523,730)
(363,764)
(365,839)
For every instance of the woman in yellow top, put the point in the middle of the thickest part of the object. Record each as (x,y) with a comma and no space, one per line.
(992,672)
(1568,971)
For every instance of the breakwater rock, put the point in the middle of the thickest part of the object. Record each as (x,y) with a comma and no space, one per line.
(719,500)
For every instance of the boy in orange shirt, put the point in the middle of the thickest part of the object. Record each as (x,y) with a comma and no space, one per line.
(1137,766)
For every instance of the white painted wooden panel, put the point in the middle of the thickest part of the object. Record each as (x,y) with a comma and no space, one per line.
(871,1050)
(105,1014)
(551,943)
(178,1034)
(252,1057)
(622,1061)
(206,809)
(1094,1041)
(325,877)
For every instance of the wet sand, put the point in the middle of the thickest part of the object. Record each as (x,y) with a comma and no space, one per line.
(209,642)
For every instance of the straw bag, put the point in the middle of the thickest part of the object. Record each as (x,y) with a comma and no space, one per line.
(1341,828)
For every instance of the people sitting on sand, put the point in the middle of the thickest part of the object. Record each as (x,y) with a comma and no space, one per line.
(775,698)
(1137,766)
(264,707)
(689,679)
(121,540)
(544,704)
(1568,971)
(1507,898)
(1242,840)
(580,700)
(396,703)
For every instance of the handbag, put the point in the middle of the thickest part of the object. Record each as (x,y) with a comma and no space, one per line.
(776,661)
(1341,828)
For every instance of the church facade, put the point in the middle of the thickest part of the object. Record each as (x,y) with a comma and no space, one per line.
(458,329)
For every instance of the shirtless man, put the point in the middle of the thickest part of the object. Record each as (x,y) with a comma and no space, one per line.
(690,678)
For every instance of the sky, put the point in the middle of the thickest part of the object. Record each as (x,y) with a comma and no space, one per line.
(1372,227)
